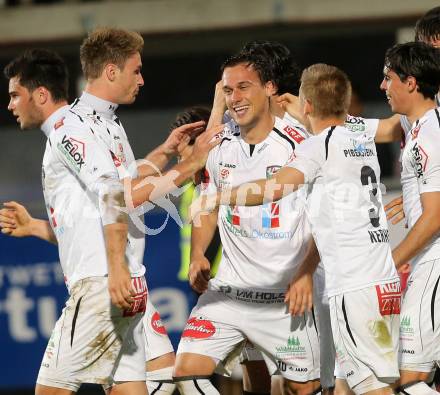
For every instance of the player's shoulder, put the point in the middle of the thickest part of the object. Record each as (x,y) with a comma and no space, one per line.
(427,129)
(229,135)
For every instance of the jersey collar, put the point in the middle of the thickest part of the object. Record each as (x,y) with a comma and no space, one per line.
(103,107)
(49,123)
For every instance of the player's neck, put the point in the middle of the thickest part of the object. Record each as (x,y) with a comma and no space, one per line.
(318,125)
(420,108)
(254,134)
(100,89)
(49,110)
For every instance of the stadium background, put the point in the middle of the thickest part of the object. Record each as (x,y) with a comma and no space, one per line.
(185,43)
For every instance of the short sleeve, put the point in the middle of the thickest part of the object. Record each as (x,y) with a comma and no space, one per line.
(209,182)
(426,162)
(309,158)
(80,151)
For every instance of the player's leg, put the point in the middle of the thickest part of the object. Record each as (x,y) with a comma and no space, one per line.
(256,377)
(159,352)
(208,338)
(365,331)
(45,390)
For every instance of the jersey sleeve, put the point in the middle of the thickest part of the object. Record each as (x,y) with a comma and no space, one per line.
(426,158)
(360,124)
(309,158)
(80,151)
(209,179)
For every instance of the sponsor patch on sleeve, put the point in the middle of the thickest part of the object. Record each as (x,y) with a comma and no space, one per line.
(294,134)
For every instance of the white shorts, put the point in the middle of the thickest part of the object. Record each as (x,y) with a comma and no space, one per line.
(365,326)
(226,317)
(420,319)
(93,337)
(157,342)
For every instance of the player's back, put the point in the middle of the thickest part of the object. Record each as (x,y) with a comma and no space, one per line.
(345,208)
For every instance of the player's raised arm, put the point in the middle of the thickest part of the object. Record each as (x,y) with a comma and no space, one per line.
(389,130)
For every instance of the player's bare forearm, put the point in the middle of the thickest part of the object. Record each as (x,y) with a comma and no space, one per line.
(311,259)
(202,235)
(256,193)
(41,228)
(421,234)
(389,130)
(155,160)
(218,106)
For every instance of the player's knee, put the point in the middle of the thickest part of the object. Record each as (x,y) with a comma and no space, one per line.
(193,385)
(311,387)
(188,364)
(417,388)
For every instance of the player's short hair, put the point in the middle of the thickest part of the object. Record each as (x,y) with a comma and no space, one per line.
(278,60)
(108,45)
(249,59)
(428,26)
(190,115)
(328,88)
(40,67)
(418,60)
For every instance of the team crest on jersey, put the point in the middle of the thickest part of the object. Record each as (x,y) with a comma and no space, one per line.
(198,328)
(59,123)
(292,132)
(271,170)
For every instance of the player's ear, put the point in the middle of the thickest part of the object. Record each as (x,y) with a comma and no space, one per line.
(111,70)
(41,95)
(270,88)
(411,83)
(307,107)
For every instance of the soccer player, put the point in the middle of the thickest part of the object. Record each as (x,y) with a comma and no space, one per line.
(97,341)
(411,81)
(261,246)
(340,171)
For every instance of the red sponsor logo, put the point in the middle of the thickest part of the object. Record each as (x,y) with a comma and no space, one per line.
(198,328)
(52,217)
(116,161)
(388,296)
(78,147)
(157,324)
(294,134)
(415,132)
(59,123)
(205,179)
(139,304)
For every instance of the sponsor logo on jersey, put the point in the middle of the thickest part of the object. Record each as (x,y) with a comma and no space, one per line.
(229,165)
(233,216)
(294,134)
(379,236)
(403,351)
(252,296)
(420,158)
(254,233)
(157,324)
(350,373)
(224,173)
(198,328)
(270,215)
(59,123)
(74,151)
(115,159)
(355,124)
(405,326)
(415,132)
(388,296)
(139,304)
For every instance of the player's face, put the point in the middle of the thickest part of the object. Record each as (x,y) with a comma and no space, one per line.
(395,90)
(246,97)
(23,106)
(129,80)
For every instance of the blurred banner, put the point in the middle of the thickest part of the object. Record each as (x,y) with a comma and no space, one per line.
(32,294)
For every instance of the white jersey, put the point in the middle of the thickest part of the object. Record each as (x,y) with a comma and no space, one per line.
(261,245)
(85,145)
(345,209)
(421,173)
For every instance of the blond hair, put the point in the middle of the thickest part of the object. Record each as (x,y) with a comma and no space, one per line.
(108,45)
(328,89)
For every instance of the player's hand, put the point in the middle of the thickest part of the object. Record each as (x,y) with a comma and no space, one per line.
(204,204)
(15,220)
(199,274)
(180,137)
(394,210)
(205,143)
(299,295)
(219,103)
(291,104)
(120,287)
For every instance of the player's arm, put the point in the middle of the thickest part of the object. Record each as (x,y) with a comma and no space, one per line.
(16,221)
(201,238)
(299,295)
(426,227)
(141,190)
(389,130)
(218,106)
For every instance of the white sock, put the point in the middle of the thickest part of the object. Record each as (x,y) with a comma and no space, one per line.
(195,386)
(160,381)
(420,388)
